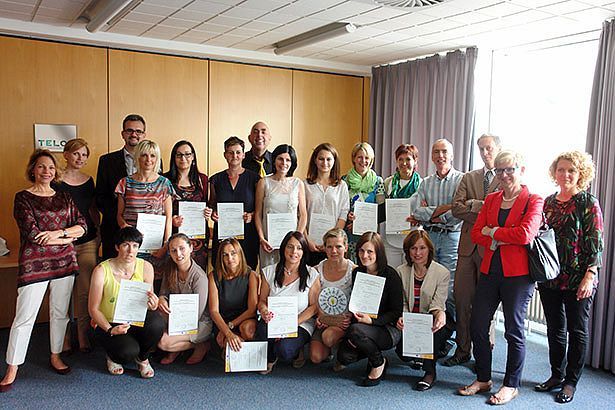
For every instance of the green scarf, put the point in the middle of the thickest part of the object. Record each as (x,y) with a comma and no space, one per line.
(357,183)
(410,188)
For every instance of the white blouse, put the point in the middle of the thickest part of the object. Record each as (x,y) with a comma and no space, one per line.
(332,201)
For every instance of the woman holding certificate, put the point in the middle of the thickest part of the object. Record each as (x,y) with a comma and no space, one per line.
(425,284)
(293,287)
(335,283)
(236,185)
(48,222)
(368,336)
(233,295)
(326,196)
(507,222)
(182,275)
(280,204)
(364,185)
(190,185)
(146,192)
(122,342)
(401,185)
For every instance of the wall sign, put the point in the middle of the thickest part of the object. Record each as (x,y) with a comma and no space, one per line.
(53,136)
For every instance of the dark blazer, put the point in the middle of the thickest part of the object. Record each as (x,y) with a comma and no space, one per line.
(111,168)
(250,163)
(470,187)
(520,228)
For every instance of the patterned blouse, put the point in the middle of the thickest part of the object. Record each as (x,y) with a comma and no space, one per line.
(143,197)
(35,214)
(578,229)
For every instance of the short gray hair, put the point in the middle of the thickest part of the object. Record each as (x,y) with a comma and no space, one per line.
(495,138)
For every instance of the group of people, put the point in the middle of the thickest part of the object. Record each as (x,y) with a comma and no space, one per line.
(465,254)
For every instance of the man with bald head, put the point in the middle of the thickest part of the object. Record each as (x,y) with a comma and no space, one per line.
(431,207)
(258,159)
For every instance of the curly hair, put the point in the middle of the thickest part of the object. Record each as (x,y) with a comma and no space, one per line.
(582,161)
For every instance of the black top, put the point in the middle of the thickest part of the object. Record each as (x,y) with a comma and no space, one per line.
(392,301)
(496,259)
(250,163)
(245,190)
(232,296)
(83,197)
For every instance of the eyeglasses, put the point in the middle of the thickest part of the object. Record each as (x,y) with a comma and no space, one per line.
(507,170)
(130,131)
(186,155)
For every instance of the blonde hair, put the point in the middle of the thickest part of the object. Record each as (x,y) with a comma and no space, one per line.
(147,147)
(582,161)
(509,156)
(366,148)
(335,233)
(75,144)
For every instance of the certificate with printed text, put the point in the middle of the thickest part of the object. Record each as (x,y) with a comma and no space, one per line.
(319,225)
(251,358)
(194,224)
(417,336)
(230,220)
(278,225)
(184,316)
(285,321)
(131,304)
(152,229)
(397,210)
(365,218)
(366,294)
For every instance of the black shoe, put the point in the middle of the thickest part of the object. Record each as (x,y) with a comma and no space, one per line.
(455,361)
(566,394)
(367,382)
(416,364)
(424,385)
(549,385)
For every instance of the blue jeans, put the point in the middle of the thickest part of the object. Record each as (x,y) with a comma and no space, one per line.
(287,349)
(445,253)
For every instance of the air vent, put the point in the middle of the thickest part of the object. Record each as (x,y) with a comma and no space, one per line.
(409,3)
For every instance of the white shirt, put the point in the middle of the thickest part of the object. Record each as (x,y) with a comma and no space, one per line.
(332,201)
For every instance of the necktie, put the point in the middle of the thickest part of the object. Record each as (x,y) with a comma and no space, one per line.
(261,163)
(487,181)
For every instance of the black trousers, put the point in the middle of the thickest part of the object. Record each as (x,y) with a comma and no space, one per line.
(363,341)
(138,343)
(515,293)
(439,339)
(567,324)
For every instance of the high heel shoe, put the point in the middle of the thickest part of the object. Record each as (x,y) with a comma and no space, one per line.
(6,387)
(63,371)
(368,382)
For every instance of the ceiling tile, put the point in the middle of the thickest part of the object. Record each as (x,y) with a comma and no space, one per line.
(168,3)
(446,9)
(368,31)
(52,21)
(383,13)
(145,18)
(165,30)
(194,36)
(193,15)
(535,3)
(208,6)
(154,9)
(64,14)
(179,23)
(523,18)
(216,28)
(15,15)
(596,15)
(224,40)
(406,20)
(244,13)
(16,7)
(227,21)
(343,12)
(610,6)
(260,25)
(127,25)
(278,18)
(502,9)
(267,5)
(564,7)
(470,17)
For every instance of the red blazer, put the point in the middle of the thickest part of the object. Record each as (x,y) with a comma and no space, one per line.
(517,232)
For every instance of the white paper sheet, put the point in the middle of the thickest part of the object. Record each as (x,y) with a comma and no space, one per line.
(152,228)
(397,210)
(230,220)
(366,218)
(131,304)
(319,225)
(278,225)
(285,317)
(184,316)
(417,335)
(194,224)
(366,294)
(251,358)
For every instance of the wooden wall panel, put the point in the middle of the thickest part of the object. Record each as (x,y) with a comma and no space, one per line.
(326,108)
(241,95)
(366,95)
(169,92)
(43,82)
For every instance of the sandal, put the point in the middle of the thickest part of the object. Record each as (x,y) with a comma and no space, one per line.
(497,401)
(115,369)
(145,369)
(475,388)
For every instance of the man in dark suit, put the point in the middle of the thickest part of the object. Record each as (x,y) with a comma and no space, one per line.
(111,168)
(258,159)
(468,200)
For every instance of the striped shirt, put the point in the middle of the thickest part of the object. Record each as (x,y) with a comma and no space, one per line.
(436,191)
(143,197)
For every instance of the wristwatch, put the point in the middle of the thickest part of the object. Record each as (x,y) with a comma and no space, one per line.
(231,325)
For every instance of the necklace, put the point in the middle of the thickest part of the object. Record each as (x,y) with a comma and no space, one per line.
(288,272)
(509,199)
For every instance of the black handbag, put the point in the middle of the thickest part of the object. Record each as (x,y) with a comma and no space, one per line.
(543,260)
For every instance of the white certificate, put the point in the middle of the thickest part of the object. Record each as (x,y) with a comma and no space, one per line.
(278,225)
(194,224)
(152,228)
(184,316)
(397,210)
(366,294)
(131,304)
(285,317)
(251,357)
(319,225)
(365,218)
(230,220)
(417,335)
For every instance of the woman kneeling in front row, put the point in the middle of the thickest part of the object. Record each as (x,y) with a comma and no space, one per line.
(425,285)
(124,343)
